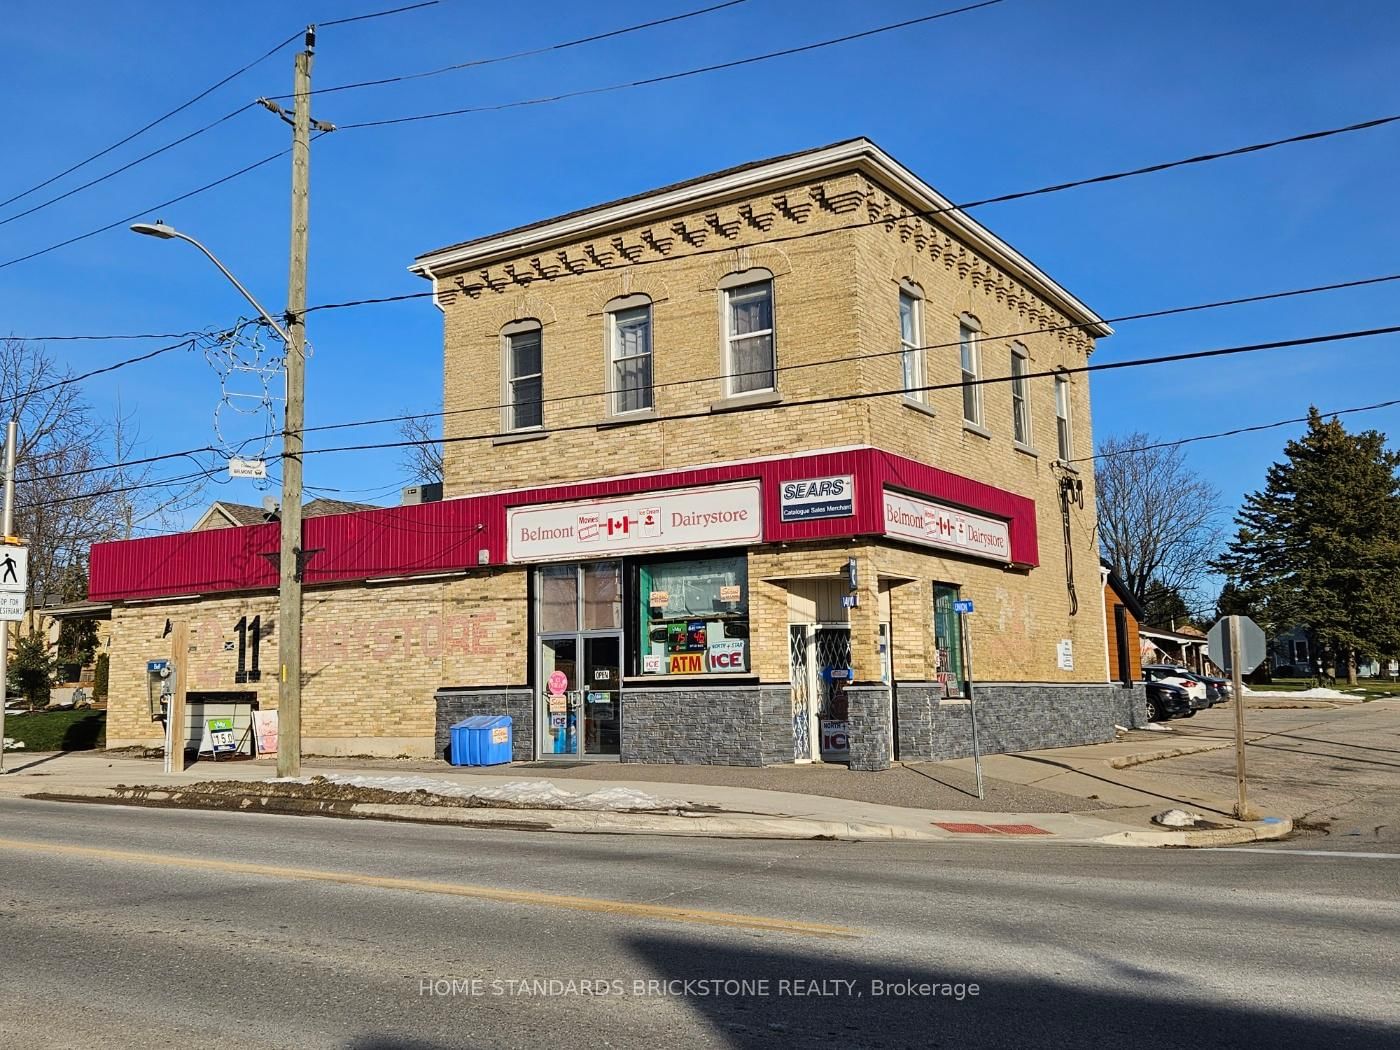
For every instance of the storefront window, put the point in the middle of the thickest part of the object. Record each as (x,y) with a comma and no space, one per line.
(602,596)
(947,637)
(558,599)
(693,617)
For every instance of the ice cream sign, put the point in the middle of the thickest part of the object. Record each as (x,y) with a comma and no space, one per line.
(680,519)
(936,525)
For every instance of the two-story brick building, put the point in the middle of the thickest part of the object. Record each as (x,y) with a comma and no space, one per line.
(719,461)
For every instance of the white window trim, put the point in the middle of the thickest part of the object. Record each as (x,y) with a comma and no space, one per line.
(915,351)
(968,323)
(1064,437)
(616,306)
(727,287)
(508,378)
(1020,393)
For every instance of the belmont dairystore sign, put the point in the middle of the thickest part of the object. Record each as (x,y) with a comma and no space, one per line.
(936,525)
(681,519)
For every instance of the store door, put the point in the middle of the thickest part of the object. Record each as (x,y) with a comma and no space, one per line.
(832,648)
(602,694)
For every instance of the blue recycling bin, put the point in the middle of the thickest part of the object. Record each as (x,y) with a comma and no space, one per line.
(481,740)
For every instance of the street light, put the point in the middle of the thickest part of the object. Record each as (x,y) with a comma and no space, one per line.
(165,233)
(290,556)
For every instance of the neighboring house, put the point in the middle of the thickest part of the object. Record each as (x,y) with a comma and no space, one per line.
(718,465)
(224,515)
(1123,614)
(1185,646)
(1292,653)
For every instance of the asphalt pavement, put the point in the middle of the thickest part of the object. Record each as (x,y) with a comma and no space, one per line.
(129,927)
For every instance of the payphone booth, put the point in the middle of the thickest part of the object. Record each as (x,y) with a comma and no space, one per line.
(160,688)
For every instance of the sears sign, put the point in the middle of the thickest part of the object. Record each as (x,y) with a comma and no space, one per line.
(818,498)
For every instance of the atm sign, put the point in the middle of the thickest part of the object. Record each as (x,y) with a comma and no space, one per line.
(686,663)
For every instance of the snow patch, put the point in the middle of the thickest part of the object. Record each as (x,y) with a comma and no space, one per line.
(532,794)
(1157,727)
(11,744)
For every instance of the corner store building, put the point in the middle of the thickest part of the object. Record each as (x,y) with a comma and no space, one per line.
(718,461)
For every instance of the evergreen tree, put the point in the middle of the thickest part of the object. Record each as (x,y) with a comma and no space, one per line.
(1319,545)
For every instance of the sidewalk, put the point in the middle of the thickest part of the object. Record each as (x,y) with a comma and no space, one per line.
(730,808)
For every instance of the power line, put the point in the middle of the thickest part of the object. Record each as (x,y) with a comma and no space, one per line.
(1195,307)
(128,165)
(369,302)
(476,63)
(146,210)
(377,14)
(705,413)
(161,119)
(735,63)
(115,337)
(97,494)
(1232,433)
(70,380)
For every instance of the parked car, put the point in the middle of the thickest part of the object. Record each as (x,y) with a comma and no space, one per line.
(1178,676)
(1166,701)
(1220,685)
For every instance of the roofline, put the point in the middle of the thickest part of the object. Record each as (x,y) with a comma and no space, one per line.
(852,155)
(1126,596)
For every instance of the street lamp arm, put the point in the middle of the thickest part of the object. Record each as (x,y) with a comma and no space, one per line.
(276,327)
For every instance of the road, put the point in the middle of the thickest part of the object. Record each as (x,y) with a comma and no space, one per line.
(148,928)
(1337,771)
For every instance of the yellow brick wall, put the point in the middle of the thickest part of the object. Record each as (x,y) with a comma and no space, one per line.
(372,657)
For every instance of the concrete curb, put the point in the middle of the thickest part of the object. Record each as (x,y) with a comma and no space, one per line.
(1258,831)
(1142,757)
(702,825)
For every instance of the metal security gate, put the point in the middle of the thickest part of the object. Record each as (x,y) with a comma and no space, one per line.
(820,660)
(801,693)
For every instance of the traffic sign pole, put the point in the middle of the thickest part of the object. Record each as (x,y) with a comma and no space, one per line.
(1241,803)
(963,607)
(8,521)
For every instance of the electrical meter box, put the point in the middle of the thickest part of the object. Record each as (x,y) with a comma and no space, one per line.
(160,687)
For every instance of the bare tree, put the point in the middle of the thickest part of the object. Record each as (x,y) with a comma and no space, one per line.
(423,461)
(1159,524)
(66,495)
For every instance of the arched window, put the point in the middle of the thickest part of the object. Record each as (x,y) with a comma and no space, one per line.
(522,371)
(750,356)
(970,360)
(630,354)
(911,337)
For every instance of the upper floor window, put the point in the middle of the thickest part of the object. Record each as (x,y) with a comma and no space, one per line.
(749,362)
(629,342)
(910,342)
(1020,404)
(524,375)
(1062,418)
(970,353)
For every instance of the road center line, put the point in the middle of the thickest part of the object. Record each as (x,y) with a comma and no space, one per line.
(1352,854)
(452,889)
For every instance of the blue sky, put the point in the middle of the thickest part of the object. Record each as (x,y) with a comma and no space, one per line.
(1022,94)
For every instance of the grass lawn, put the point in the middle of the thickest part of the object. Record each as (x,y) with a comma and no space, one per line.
(58,730)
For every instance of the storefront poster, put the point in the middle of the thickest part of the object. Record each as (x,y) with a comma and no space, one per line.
(731,593)
(1064,654)
(659,599)
(686,663)
(937,525)
(836,736)
(558,683)
(682,519)
(651,664)
(265,731)
(725,655)
(814,498)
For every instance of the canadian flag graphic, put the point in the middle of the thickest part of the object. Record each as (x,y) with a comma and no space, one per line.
(617,527)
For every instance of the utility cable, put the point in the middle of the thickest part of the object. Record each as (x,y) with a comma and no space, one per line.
(70,380)
(717,67)
(530,53)
(159,120)
(377,14)
(127,166)
(873,355)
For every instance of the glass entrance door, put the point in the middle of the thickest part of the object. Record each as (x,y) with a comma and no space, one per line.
(579,647)
(602,697)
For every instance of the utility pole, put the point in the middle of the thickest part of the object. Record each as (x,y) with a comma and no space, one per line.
(7,519)
(289,586)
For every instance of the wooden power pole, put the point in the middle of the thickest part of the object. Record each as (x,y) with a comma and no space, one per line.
(291,561)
